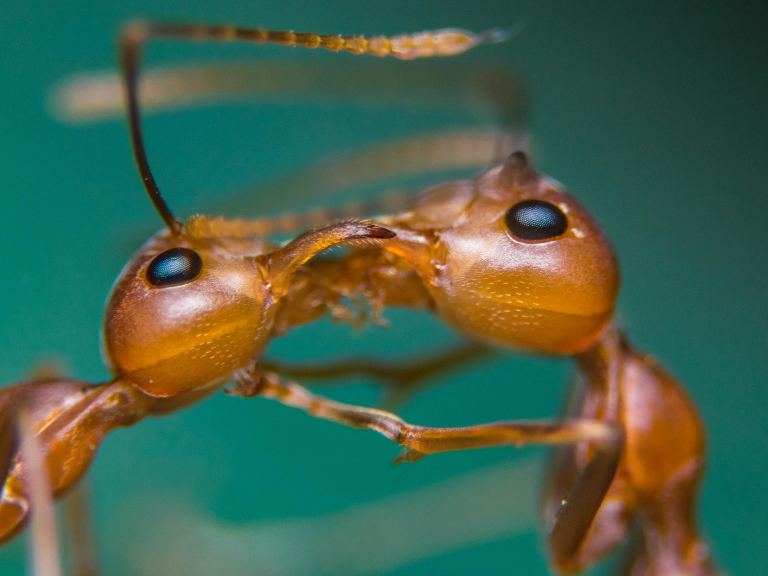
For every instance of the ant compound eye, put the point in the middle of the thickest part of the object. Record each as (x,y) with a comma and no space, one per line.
(536,220)
(174,267)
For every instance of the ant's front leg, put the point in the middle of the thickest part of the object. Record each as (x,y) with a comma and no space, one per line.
(69,419)
(577,511)
(420,441)
(253,381)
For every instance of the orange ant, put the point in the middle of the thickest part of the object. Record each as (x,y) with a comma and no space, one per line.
(508,259)
(195,306)
(512,260)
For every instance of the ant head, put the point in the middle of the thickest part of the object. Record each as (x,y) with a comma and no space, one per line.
(522,263)
(185,313)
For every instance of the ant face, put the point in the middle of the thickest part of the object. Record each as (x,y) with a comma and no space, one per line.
(522,264)
(184,314)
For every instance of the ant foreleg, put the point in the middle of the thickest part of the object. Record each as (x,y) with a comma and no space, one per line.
(334,176)
(44,549)
(577,511)
(419,441)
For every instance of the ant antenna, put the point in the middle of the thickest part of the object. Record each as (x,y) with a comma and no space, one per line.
(131,40)
(407,47)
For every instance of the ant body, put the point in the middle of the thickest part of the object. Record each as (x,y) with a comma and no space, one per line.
(513,260)
(508,259)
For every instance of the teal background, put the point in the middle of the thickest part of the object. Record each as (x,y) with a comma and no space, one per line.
(654,114)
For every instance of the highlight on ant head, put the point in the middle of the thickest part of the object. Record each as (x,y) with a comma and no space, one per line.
(515,259)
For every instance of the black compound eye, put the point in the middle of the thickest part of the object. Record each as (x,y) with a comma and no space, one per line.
(173,267)
(536,220)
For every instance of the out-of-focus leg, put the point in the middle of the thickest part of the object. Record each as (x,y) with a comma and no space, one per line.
(400,379)
(80,532)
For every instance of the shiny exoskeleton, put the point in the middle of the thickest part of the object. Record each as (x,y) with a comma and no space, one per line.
(509,259)
(512,260)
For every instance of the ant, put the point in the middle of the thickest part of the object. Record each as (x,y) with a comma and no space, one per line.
(196,305)
(512,260)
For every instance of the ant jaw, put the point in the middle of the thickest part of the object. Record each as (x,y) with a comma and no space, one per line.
(280,265)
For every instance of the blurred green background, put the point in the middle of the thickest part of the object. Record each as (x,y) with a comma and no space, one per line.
(654,114)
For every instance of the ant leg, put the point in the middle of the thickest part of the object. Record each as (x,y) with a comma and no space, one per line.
(9,443)
(673,544)
(81,538)
(594,502)
(590,541)
(406,157)
(44,541)
(576,513)
(399,379)
(494,90)
(78,416)
(419,441)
